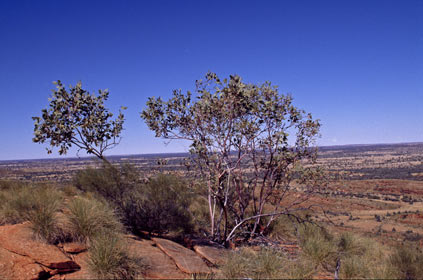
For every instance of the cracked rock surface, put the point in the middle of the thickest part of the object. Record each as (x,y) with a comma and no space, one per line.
(24,257)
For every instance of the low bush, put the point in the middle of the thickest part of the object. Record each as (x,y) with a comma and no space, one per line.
(246,263)
(43,216)
(284,227)
(300,268)
(70,190)
(37,204)
(111,182)
(361,258)
(16,202)
(88,216)
(407,262)
(317,245)
(159,205)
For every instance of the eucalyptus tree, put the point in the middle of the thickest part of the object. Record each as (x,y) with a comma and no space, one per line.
(78,118)
(253,148)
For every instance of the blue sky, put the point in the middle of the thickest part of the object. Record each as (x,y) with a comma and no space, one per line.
(356,65)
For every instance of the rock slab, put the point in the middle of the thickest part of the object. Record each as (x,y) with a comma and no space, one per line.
(216,256)
(185,259)
(14,266)
(18,239)
(158,264)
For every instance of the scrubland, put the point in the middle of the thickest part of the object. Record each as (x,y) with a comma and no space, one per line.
(360,226)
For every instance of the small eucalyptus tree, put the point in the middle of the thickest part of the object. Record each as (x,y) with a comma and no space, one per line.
(77,117)
(249,143)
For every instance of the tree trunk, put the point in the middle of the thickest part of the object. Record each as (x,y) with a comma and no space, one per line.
(337,268)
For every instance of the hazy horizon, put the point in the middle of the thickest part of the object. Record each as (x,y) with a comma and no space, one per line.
(355,65)
(85,156)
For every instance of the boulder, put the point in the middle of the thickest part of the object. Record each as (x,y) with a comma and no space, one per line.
(185,259)
(74,247)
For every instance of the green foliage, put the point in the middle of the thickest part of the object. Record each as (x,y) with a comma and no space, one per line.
(76,117)
(109,258)
(110,182)
(160,205)
(232,125)
(88,217)
(200,213)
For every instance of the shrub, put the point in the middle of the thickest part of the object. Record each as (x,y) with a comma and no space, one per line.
(407,262)
(7,185)
(108,258)
(350,245)
(160,205)
(300,268)
(284,226)
(200,213)
(89,216)
(43,216)
(17,202)
(354,267)
(108,181)
(266,263)
(70,190)
(362,258)
(317,245)
(237,265)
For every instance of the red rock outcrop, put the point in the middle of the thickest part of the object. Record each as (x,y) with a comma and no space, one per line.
(22,255)
(214,255)
(159,265)
(185,259)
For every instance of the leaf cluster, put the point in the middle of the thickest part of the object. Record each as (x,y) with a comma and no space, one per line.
(77,117)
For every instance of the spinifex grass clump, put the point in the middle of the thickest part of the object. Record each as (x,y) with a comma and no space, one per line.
(109,258)
(89,216)
(247,263)
(347,255)
(317,245)
(93,221)
(43,216)
(407,262)
(37,204)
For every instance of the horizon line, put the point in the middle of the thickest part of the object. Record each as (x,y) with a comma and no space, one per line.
(176,153)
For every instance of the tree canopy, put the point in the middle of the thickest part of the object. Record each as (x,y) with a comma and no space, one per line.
(77,117)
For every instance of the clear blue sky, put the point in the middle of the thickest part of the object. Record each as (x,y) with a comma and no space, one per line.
(356,65)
